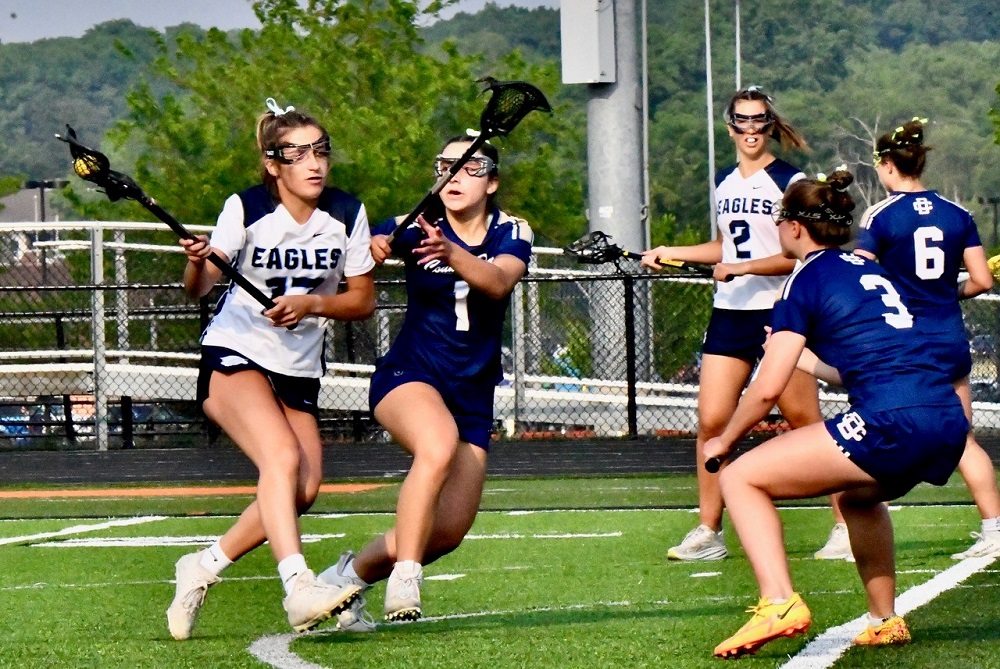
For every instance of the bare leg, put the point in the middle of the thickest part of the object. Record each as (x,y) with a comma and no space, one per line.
(798,464)
(456,510)
(870,530)
(248,531)
(719,387)
(975,466)
(244,406)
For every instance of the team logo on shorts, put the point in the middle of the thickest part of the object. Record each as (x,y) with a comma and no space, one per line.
(852,427)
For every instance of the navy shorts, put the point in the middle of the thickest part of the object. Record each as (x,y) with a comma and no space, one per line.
(737,334)
(295,392)
(902,447)
(470,403)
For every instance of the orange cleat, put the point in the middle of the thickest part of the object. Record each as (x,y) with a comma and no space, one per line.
(892,632)
(769,621)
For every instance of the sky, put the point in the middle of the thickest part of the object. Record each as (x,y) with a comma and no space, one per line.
(30,20)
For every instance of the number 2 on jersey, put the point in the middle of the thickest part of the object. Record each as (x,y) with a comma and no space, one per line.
(740,231)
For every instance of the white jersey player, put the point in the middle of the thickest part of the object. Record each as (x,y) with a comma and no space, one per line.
(749,270)
(295,239)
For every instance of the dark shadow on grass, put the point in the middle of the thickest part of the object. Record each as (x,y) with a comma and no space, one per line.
(598,614)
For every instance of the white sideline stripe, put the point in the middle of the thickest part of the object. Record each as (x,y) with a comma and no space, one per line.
(155,542)
(80,529)
(827,648)
(584,535)
(445,577)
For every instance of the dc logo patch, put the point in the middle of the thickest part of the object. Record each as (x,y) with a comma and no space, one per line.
(923,206)
(852,258)
(852,427)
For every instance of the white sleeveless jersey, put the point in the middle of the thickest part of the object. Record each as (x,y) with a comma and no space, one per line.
(282,257)
(745,209)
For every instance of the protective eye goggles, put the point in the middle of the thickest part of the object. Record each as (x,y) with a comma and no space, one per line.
(289,154)
(477,166)
(742,123)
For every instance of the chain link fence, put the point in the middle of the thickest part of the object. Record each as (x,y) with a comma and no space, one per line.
(99,347)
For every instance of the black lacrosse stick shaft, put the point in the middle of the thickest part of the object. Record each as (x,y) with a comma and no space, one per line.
(213,257)
(93,166)
(510,101)
(438,186)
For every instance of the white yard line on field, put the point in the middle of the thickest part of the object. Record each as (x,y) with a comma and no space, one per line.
(80,529)
(827,648)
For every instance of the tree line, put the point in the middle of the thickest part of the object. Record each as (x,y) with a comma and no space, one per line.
(176,109)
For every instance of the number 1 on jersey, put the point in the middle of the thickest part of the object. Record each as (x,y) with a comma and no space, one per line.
(461,306)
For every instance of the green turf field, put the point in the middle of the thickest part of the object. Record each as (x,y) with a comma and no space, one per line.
(556,573)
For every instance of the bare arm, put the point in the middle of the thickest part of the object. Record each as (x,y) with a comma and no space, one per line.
(356,303)
(707,253)
(776,265)
(810,363)
(199,275)
(980,278)
(495,279)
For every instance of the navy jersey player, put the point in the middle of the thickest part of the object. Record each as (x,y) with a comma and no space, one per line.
(747,248)
(296,239)
(433,390)
(923,240)
(905,423)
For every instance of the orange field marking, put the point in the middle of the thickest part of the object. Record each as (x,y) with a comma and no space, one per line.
(341,488)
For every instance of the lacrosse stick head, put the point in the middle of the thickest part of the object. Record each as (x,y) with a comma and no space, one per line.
(93,166)
(594,249)
(510,101)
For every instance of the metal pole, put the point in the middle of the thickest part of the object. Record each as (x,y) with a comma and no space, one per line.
(630,347)
(709,104)
(100,347)
(739,79)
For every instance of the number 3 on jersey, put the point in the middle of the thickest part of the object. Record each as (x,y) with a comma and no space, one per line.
(900,318)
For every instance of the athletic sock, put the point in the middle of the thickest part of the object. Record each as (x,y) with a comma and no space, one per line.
(875,621)
(289,569)
(991,524)
(350,573)
(214,560)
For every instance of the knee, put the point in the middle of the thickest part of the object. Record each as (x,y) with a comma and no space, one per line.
(437,457)
(306,495)
(282,460)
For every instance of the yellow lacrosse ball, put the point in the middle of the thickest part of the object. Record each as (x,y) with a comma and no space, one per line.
(81,167)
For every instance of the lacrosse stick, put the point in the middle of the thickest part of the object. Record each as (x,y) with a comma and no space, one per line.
(596,248)
(510,101)
(93,166)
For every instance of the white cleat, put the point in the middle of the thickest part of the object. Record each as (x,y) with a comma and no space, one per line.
(311,601)
(354,618)
(838,546)
(193,582)
(987,545)
(402,593)
(701,543)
